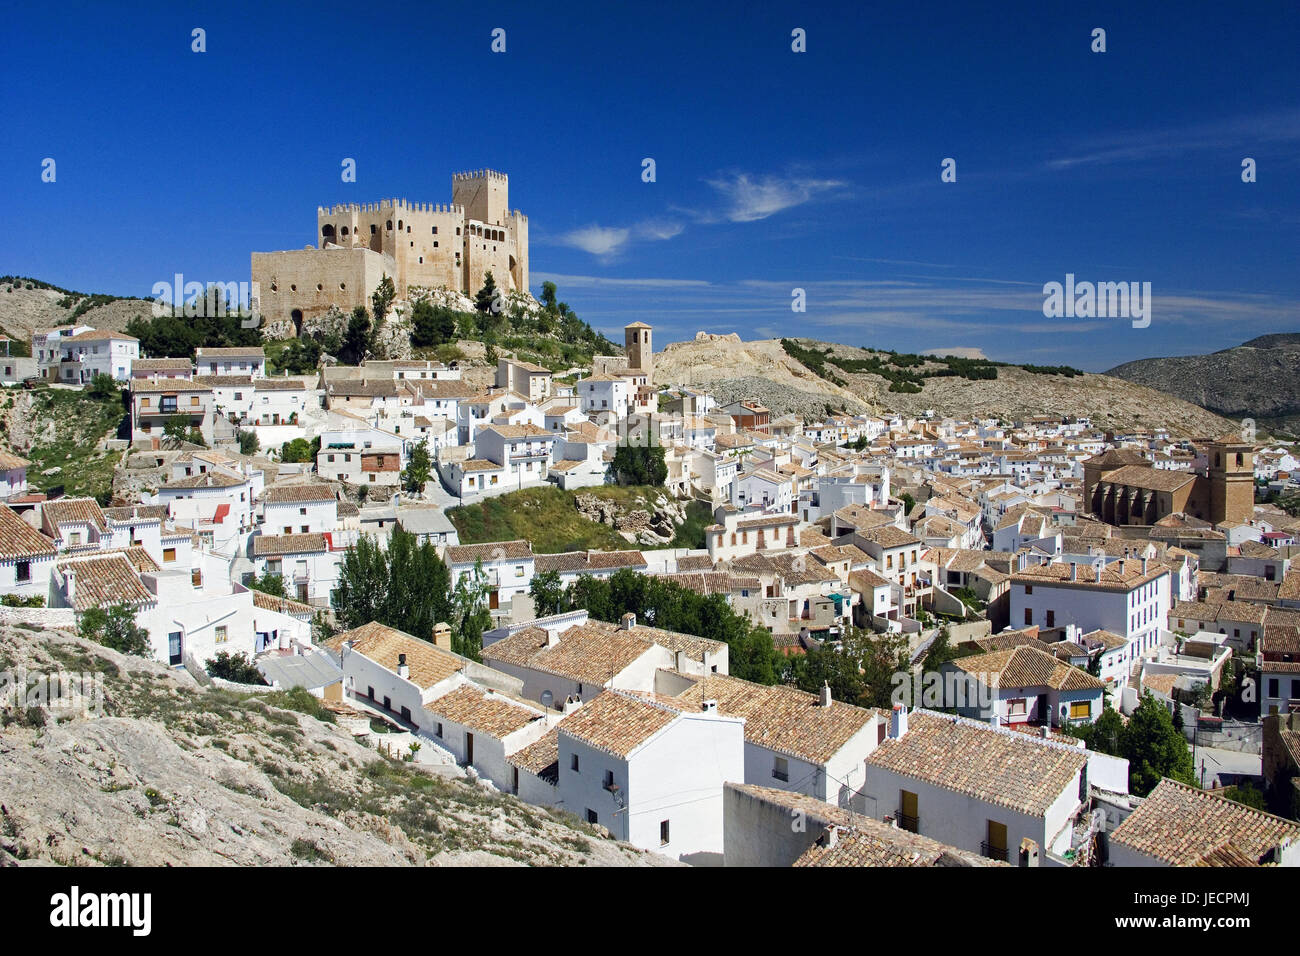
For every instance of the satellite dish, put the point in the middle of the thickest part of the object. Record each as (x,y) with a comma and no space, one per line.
(548,699)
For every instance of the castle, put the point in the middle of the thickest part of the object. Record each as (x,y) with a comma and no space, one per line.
(416,244)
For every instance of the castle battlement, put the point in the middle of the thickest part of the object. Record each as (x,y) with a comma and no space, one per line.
(479,174)
(387,205)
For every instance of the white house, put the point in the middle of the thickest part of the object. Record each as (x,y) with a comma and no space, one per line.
(243,360)
(97,352)
(26,557)
(627,763)
(977,787)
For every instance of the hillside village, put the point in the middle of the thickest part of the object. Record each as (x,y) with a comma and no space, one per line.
(933,641)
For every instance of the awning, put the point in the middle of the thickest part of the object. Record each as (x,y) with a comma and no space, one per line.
(222,511)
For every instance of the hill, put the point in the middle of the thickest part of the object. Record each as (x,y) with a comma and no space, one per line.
(1256,379)
(176,775)
(30,304)
(805,376)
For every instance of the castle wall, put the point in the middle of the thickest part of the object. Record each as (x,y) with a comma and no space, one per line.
(311,280)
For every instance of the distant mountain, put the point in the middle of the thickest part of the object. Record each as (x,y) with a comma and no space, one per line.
(1258,379)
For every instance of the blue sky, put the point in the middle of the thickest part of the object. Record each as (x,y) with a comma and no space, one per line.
(775,170)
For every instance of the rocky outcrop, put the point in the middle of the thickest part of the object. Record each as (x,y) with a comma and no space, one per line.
(653,526)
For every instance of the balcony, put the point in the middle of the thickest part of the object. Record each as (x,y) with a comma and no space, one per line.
(993,852)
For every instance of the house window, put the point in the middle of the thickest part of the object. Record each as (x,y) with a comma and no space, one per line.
(592,817)
(663,832)
(781,769)
(221,635)
(169,555)
(573,763)
(1273,687)
(23,571)
(1017,707)
(1080,710)
(1029,589)
(437,732)
(609,780)
(1029,616)
(196,577)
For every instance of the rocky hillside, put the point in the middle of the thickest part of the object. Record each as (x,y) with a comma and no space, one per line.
(759,368)
(739,367)
(173,774)
(1257,379)
(26,305)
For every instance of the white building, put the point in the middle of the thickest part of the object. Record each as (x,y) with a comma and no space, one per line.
(627,763)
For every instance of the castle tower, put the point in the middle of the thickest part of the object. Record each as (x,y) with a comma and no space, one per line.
(485,194)
(1231,472)
(640,350)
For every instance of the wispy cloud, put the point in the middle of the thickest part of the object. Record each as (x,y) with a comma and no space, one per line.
(600,241)
(1238,133)
(749,198)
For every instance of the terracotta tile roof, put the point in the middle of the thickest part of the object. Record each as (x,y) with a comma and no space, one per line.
(133,513)
(1027,666)
(482,710)
(273,544)
(782,719)
(428,664)
(103,581)
(210,479)
(18,539)
(617,723)
(151,385)
(587,653)
(540,756)
(519,431)
(492,551)
(1112,577)
(299,494)
(269,602)
(63,511)
(996,766)
(9,460)
(579,561)
(1177,823)
(160,364)
(242,351)
(702,562)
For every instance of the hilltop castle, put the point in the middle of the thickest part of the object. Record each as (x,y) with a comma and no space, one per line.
(416,244)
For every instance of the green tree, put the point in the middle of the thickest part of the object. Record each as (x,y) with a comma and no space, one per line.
(431,325)
(103,388)
(547,592)
(300,450)
(1154,749)
(419,467)
(640,465)
(357,338)
(485,301)
(382,300)
(470,613)
(248,442)
(234,667)
(114,627)
(272,584)
(177,426)
(548,296)
(404,586)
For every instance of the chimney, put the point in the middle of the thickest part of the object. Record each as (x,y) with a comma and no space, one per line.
(628,621)
(898,721)
(552,636)
(824,695)
(830,837)
(70,585)
(1045,732)
(403,671)
(1144,565)
(442,635)
(709,706)
(1074,571)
